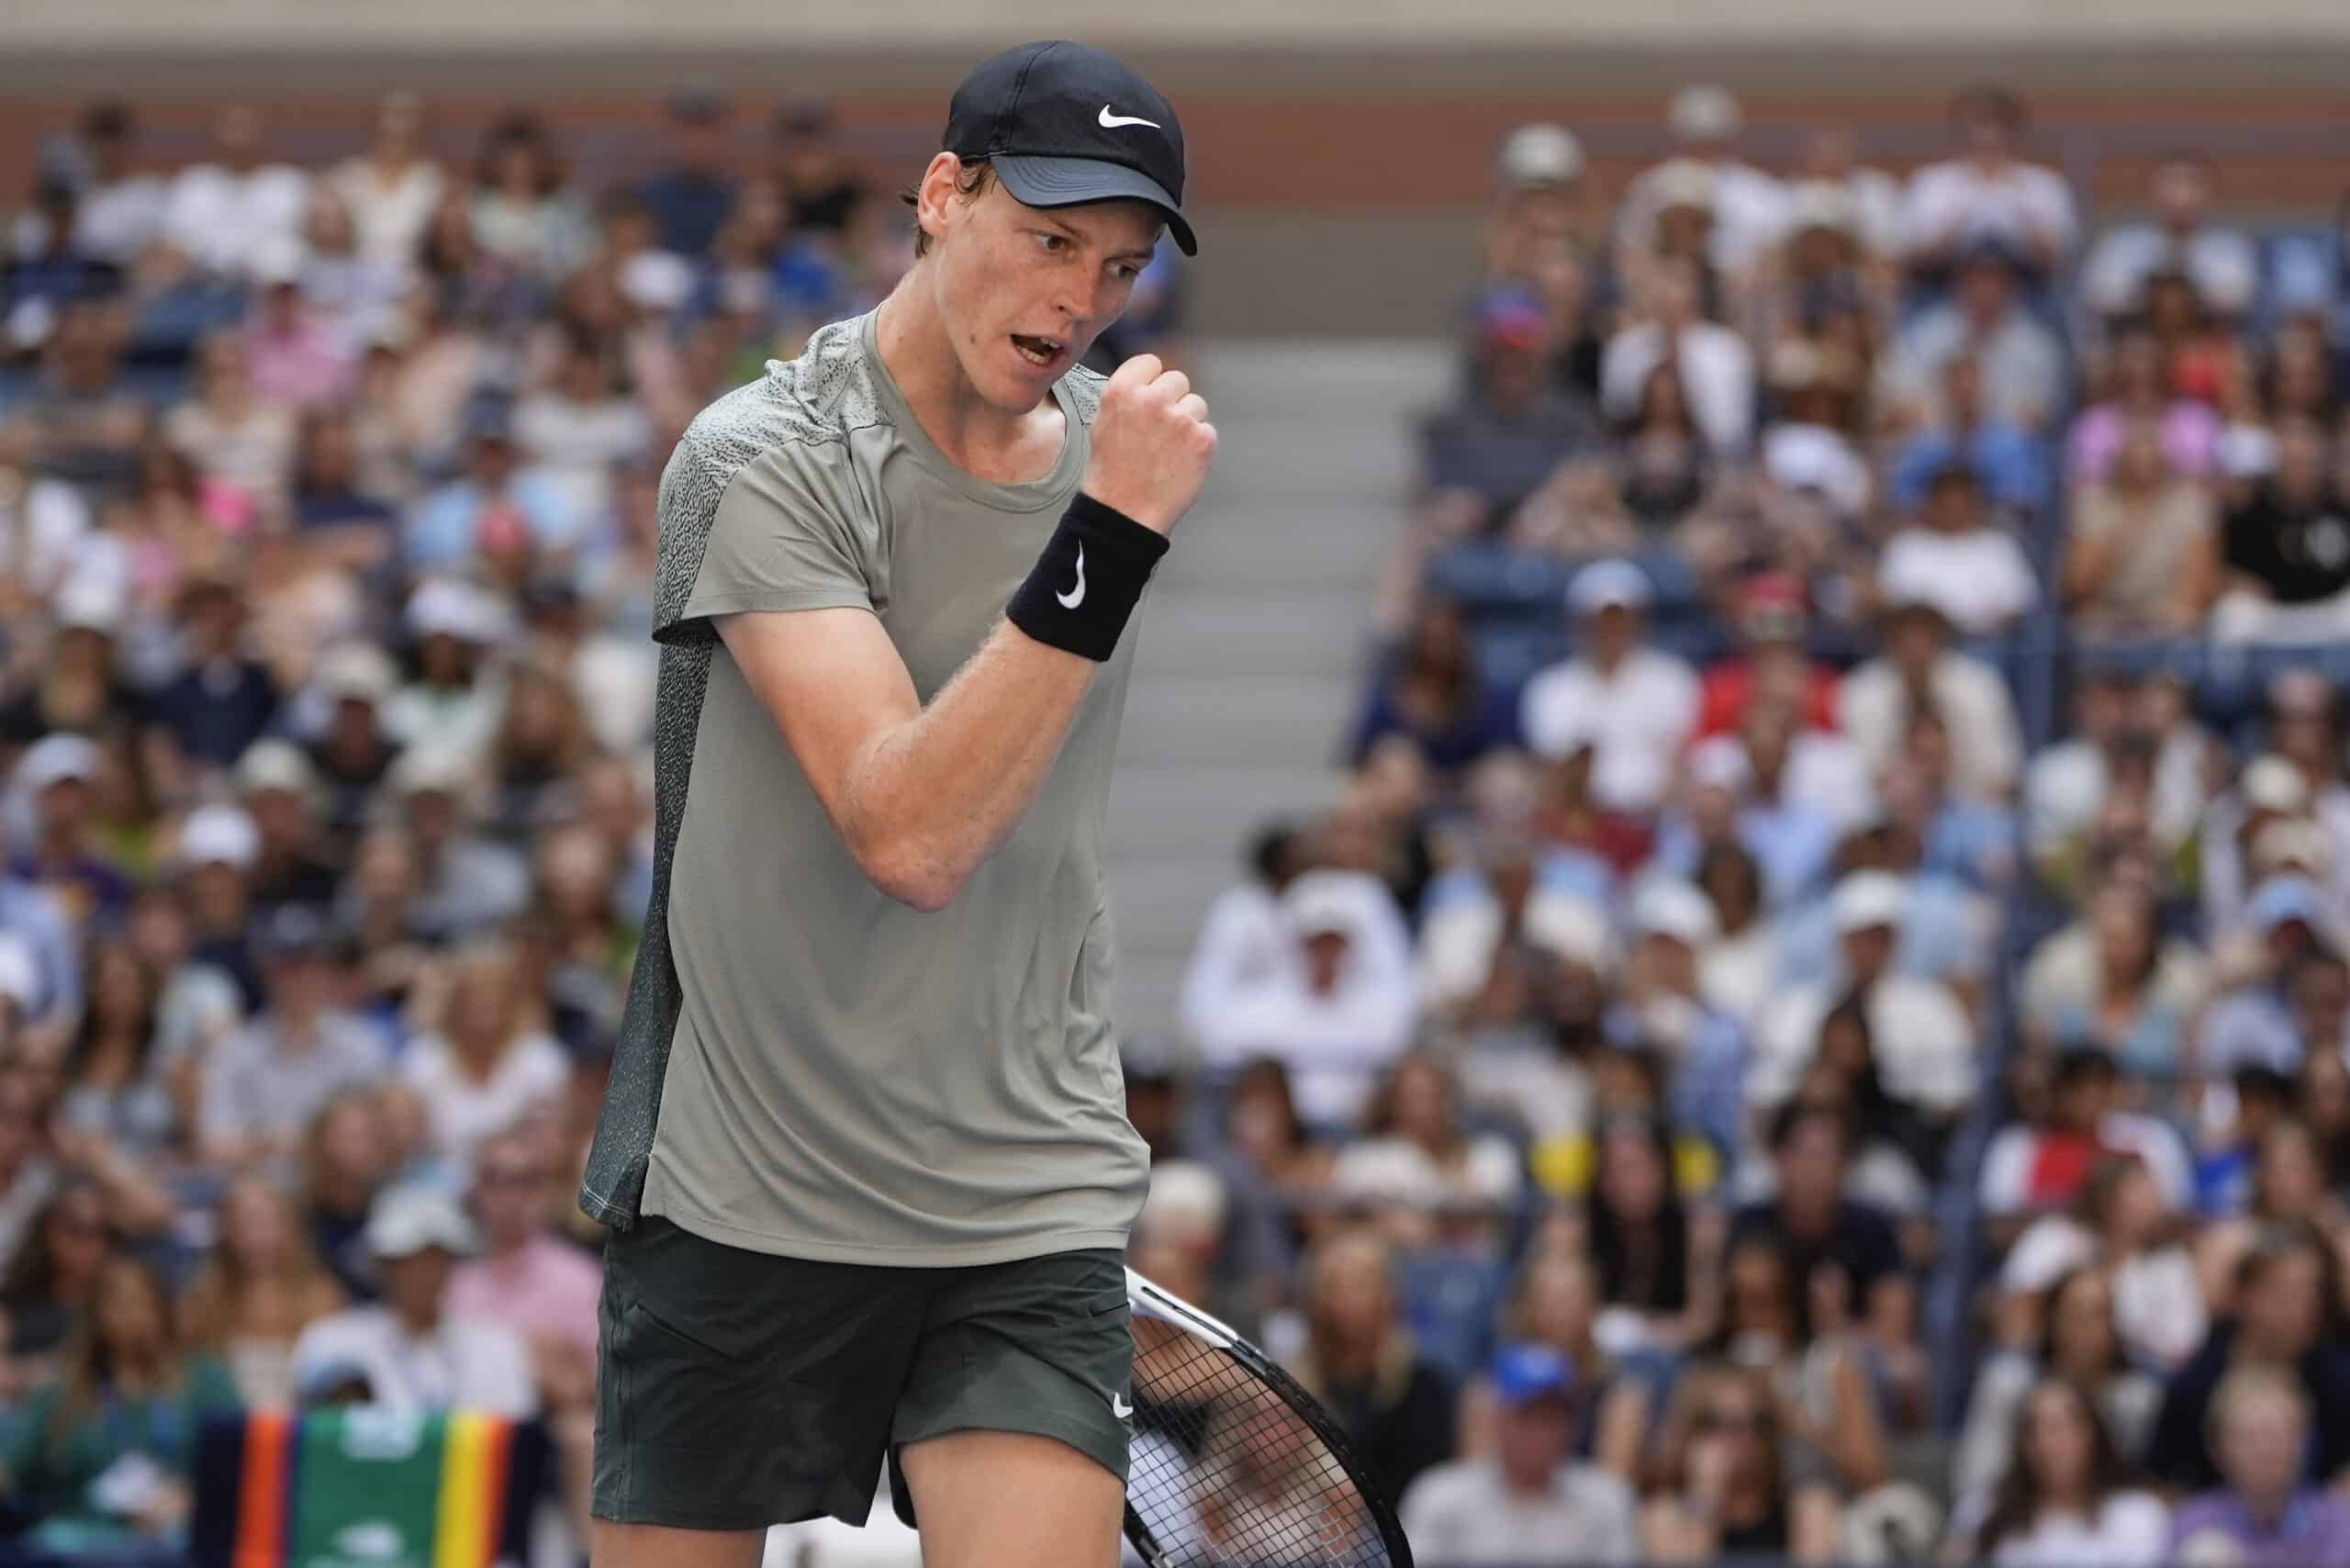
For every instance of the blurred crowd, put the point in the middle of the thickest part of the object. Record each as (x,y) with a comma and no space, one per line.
(1816,1025)
(1815,1028)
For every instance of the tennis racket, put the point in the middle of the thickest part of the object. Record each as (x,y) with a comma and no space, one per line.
(1232,1465)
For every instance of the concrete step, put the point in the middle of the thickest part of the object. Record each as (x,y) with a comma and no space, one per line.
(1230,545)
(1200,721)
(1248,635)
(1168,812)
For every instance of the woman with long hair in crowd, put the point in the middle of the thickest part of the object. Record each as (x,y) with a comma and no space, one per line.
(49,1279)
(1430,690)
(347,1159)
(1263,1128)
(2074,1338)
(104,1455)
(2288,1185)
(2065,1500)
(489,1062)
(1556,1304)
(1650,1252)
(520,213)
(1723,1487)
(116,1083)
(541,744)
(261,1287)
(243,448)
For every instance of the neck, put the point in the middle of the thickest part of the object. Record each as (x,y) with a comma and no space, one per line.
(418,1324)
(918,351)
(2267,1505)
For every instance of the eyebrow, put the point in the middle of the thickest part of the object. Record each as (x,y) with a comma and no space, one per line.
(1068,232)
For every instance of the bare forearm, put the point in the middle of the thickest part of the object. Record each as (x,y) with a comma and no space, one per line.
(934,796)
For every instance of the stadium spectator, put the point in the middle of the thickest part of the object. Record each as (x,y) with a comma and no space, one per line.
(1334,1013)
(1489,452)
(2043,1165)
(1748,206)
(1714,366)
(2265,1515)
(2181,237)
(689,198)
(120,210)
(2284,1315)
(1528,1503)
(80,422)
(2145,553)
(1959,560)
(59,775)
(412,1352)
(2114,981)
(2066,1498)
(393,188)
(268,1080)
(260,1289)
(119,1084)
(489,1062)
(1724,1486)
(2022,365)
(1435,696)
(1958,427)
(221,699)
(1358,1361)
(1633,703)
(220,214)
(1988,193)
(2288,547)
(1919,666)
(101,1457)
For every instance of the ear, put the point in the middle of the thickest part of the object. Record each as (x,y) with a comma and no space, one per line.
(936,194)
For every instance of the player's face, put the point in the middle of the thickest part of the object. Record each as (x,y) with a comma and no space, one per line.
(1025,290)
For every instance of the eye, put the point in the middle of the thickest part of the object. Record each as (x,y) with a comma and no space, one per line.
(1126,272)
(1054,244)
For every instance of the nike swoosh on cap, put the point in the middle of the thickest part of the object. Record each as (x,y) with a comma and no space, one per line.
(1075,596)
(1109,121)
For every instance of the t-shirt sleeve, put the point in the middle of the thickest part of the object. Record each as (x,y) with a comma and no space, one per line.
(780,542)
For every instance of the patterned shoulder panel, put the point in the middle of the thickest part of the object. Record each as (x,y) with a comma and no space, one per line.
(821,396)
(1085,390)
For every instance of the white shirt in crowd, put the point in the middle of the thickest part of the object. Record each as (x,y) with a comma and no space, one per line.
(1925,1045)
(1960,203)
(1462,1514)
(2067,785)
(1738,974)
(389,217)
(1717,371)
(1986,742)
(2159,1307)
(2222,265)
(2132,1530)
(223,220)
(1484,1173)
(1334,1044)
(1636,719)
(461,1110)
(464,1364)
(1245,945)
(119,220)
(1750,210)
(1979,578)
(2007,1164)
(579,444)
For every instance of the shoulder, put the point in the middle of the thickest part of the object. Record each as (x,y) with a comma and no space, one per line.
(1444,1485)
(801,407)
(1589,1487)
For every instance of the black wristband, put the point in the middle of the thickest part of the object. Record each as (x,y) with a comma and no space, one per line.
(1088,581)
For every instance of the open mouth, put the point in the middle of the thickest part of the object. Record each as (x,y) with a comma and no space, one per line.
(1039,352)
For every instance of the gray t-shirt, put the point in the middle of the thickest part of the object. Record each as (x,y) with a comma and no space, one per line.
(810,1068)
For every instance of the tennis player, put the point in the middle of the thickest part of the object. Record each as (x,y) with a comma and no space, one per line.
(865,1154)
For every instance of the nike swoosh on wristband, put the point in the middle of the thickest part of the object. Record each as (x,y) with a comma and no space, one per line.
(1109,121)
(1120,1408)
(1075,596)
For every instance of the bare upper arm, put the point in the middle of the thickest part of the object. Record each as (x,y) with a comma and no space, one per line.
(834,685)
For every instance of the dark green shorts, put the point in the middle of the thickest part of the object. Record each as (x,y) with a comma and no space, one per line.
(737,1390)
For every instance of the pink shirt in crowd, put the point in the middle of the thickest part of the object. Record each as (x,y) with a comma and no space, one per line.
(547,1287)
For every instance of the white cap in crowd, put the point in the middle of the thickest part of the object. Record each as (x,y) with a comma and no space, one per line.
(442,605)
(1321,903)
(1668,906)
(1866,900)
(1719,761)
(2272,784)
(1609,585)
(1540,154)
(219,836)
(357,671)
(274,763)
(53,759)
(1571,927)
(410,1218)
(430,767)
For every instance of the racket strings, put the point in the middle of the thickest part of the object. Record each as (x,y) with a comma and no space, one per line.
(1225,1474)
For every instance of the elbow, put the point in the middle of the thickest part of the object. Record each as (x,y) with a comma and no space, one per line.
(918,880)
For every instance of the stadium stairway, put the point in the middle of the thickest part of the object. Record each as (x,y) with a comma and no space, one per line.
(1253,643)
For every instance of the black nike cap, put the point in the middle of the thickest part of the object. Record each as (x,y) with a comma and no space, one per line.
(1065,124)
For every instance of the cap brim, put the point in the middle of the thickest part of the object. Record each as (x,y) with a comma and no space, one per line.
(1072,182)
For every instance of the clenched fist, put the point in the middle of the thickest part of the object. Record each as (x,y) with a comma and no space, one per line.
(1152,443)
